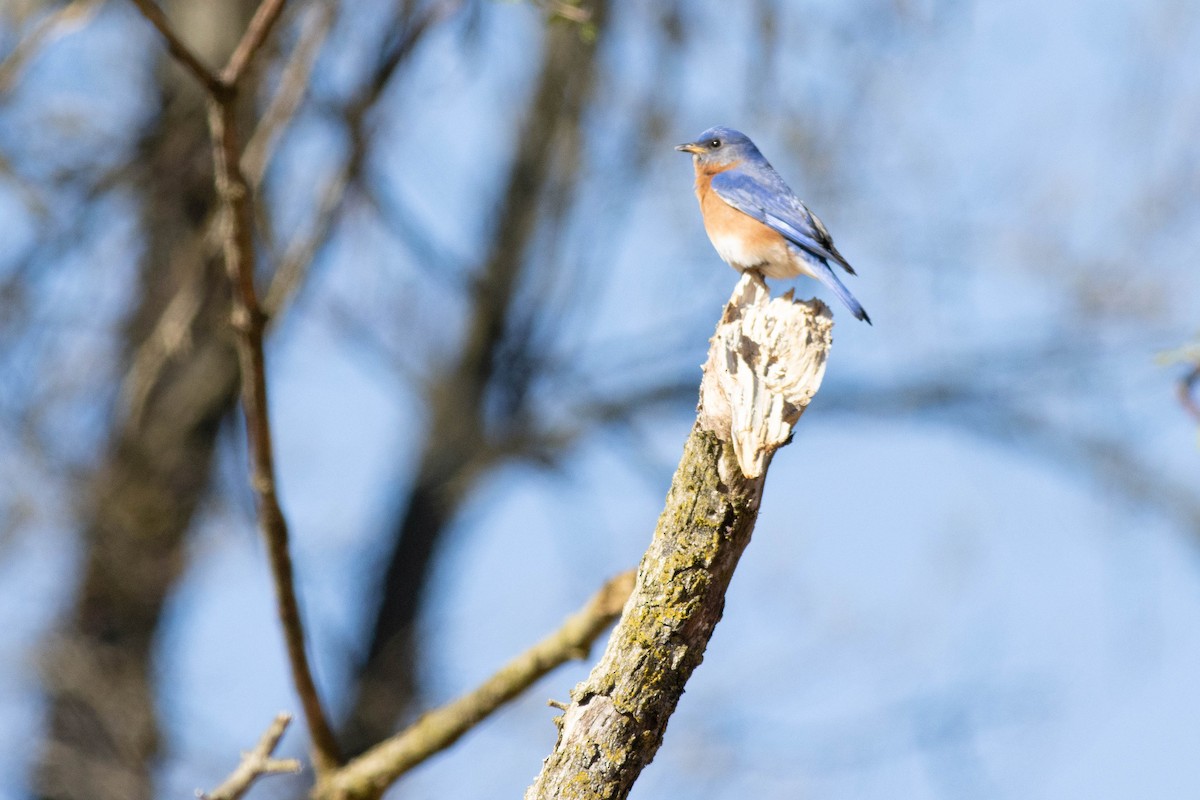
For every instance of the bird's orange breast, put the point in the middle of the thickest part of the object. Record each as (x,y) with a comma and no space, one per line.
(741,240)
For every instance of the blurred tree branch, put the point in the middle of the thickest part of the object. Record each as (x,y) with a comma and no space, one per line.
(369,775)
(1187,391)
(467,417)
(181,378)
(1189,356)
(981,410)
(257,763)
(250,322)
(69,16)
(293,86)
(234,191)
(181,382)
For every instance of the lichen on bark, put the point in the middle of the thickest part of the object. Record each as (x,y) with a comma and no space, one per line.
(766,361)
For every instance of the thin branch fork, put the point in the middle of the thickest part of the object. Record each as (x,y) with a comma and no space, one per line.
(225,83)
(249,322)
(257,763)
(179,51)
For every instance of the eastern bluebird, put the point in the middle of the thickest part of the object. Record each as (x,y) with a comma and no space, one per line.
(755,221)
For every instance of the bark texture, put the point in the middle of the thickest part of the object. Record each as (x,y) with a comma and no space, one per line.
(617,717)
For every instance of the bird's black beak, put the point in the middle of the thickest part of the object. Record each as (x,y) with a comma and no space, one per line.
(690,147)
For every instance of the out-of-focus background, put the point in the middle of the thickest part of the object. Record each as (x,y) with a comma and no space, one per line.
(975,574)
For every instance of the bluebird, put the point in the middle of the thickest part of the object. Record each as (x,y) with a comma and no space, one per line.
(755,221)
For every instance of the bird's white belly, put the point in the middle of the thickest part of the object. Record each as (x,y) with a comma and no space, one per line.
(741,253)
(733,250)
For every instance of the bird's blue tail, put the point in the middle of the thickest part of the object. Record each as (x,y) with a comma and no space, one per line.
(822,272)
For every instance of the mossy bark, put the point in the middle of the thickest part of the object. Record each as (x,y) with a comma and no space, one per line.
(618,716)
(766,361)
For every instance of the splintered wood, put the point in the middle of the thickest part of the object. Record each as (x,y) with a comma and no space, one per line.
(765,363)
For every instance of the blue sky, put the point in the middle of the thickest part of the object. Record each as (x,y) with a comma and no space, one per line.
(936,604)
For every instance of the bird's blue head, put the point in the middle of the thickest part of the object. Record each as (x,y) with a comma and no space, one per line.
(718,147)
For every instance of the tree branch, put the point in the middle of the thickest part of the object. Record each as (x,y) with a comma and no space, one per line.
(369,775)
(179,51)
(256,763)
(71,16)
(249,321)
(459,444)
(256,33)
(294,81)
(766,361)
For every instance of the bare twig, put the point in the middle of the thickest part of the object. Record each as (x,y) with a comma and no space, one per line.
(400,47)
(299,255)
(172,334)
(295,262)
(62,20)
(293,84)
(369,775)
(256,33)
(249,321)
(256,763)
(180,51)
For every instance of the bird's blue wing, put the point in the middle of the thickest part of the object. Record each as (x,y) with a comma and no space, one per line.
(766,198)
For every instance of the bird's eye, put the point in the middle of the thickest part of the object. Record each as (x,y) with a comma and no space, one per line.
(714,143)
